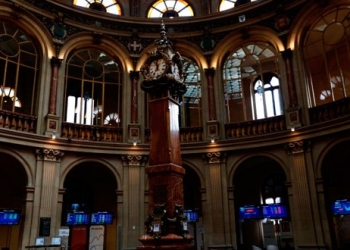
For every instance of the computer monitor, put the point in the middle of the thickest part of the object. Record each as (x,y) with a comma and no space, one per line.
(79,218)
(275,211)
(250,212)
(40,241)
(341,207)
(56,240)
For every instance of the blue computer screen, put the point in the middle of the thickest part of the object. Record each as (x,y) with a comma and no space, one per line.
(341,207)
(274,211)
(77,219)
(250,212)
(101,218)
(9,217)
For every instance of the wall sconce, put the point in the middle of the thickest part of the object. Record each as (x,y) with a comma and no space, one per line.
(53,136)
(292,128)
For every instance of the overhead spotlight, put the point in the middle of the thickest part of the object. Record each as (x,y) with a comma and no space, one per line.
(241,18)
(292,128)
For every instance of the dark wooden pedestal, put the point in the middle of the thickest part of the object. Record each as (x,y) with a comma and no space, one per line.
(165,177)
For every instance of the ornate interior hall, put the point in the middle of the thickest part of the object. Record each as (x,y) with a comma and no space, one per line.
(263,120)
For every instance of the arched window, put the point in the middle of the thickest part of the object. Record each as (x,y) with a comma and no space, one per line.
(19,70)
(327,57)
(267,97)
(274,189)
(229,4)
(93,89)
(170,9)
(110,6)
(191,105)
(251,83)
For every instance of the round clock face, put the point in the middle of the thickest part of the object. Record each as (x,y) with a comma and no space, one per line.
(157,68)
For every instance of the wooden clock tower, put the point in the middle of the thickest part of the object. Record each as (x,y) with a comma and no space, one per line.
(166,225)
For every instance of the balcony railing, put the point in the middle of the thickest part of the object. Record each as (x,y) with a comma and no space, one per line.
(187,134)
(191,134)
(19,122)
(27,123)
(256,127)
(330,111)
(91,133)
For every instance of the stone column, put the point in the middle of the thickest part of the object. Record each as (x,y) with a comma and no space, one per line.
(120,204)
(231,209)
(304,209)
(47,187)
(134,76)
(134,186)
(212,123)
(217,226)
(287,56)
(52,118)
(134,126)
(293,111)
(29,206)
(209,73)
(326,225)
(55,65)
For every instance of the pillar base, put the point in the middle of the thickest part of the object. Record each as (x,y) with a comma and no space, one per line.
(168,242)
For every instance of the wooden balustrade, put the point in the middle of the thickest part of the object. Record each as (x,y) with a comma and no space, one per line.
(326,112)
(256,127)
(191,134)
(91,133)
(187,134)
(329,111)
(19,122)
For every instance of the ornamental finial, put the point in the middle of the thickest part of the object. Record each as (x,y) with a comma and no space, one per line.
(163,42)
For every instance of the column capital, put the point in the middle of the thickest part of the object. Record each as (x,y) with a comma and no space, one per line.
(209,71)
(287,54)
(47,154)
(133,160)
(134,75)
(55,62)
(297,147)
(214,157)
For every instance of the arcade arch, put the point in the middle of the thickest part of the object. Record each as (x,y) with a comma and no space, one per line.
(335,173)
(254,180)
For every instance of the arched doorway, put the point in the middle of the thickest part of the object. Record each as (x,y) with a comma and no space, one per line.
(336,172)
(90,189)
(261,203)
(13,182)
